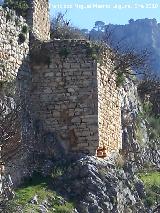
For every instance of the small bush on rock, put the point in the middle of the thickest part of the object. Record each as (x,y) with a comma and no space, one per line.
(24,29)
(119,161)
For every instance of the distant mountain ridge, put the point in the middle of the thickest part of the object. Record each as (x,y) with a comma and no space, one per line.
(137,34)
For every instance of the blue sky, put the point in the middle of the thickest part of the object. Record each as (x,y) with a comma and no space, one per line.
(110,11)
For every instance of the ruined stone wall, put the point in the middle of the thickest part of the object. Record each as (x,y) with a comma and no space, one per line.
(64,96)
(14,63)
(14,67)
(73,108)
(14,44)
(38,19)
(109,108)
(70,105)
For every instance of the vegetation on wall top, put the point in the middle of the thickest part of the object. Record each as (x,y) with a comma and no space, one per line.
(20,6)
(62,29)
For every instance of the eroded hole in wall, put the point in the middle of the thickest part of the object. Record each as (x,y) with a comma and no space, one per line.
(64,117)
(73,139)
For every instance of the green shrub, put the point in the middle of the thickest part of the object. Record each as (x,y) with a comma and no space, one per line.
(24,29)
(147,108)
(151,182)
(154,124)
(21,7)
(93,51)
(64,52)
(120,78)
(64,209)
(8,17)
(151,121)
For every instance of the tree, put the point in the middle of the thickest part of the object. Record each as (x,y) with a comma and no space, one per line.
(85,31)
(131,21)
(99,25)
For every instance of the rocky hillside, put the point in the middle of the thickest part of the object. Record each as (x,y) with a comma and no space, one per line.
(85,184)
(139,34)
(82,184)
(140,125)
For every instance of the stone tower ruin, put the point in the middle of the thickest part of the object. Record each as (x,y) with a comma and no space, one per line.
(38,19)
(74,101)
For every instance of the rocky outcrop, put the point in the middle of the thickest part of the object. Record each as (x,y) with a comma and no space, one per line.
(138,148)
(130,108)
(140,34)
(97,186)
